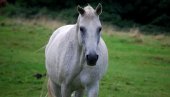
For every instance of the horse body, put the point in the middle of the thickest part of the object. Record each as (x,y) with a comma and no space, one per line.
(67,66)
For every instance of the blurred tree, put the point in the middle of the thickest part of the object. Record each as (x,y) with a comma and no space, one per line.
(139,11)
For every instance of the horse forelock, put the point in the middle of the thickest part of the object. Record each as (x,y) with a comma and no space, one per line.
(89,11)
(89,14)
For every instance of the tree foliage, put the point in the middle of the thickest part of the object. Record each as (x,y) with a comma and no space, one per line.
(155,12)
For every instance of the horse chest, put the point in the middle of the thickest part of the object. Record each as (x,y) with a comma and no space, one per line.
(87,76)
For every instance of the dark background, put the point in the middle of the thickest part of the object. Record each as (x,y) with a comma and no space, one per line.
(147,14)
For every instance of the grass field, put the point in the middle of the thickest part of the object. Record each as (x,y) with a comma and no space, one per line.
(139,65)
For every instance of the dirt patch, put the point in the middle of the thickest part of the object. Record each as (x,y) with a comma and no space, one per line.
(161,59)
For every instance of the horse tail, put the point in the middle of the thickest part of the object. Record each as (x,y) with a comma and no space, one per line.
(40,48)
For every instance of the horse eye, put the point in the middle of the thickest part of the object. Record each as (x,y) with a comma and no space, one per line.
(99,29)
(82,29)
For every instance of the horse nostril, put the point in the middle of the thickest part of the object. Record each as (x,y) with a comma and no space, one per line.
(92,59)
(97,57)
(87,57)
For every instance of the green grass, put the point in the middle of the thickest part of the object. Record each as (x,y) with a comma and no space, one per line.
(19,60)
(137,68)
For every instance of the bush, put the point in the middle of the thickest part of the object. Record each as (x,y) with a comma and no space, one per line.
(121,13)
(162,20)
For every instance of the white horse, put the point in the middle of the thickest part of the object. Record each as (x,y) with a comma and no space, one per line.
(76,56)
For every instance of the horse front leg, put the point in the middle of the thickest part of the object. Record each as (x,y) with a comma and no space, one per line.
(92,90)
(53,89)
(79,93)
(65,90)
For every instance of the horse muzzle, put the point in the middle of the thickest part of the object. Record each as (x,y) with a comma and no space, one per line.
(91,59)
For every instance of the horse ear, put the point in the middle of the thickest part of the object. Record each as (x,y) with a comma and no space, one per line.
(80,10)
(99,9)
